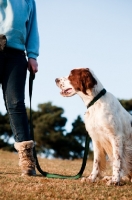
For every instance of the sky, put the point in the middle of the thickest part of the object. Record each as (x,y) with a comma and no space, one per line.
(82,33)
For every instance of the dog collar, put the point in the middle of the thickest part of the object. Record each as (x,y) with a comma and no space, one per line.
(102,92)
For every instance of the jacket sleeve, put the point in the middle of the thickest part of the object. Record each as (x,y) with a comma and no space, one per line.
(32,41)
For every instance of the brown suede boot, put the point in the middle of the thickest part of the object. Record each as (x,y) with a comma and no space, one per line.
(26,159)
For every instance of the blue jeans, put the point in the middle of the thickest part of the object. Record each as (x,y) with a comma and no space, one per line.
(13,71)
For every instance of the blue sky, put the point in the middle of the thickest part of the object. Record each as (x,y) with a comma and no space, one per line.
(82,33)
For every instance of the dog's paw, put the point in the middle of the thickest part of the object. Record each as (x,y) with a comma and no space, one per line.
(87,179)
(126,179)
(106,178)
(114,182)
(91,178)
(83,179)
(110,182)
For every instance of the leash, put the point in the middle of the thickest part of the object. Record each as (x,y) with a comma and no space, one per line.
(46,174)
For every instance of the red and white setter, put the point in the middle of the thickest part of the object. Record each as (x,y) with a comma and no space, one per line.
(107,122)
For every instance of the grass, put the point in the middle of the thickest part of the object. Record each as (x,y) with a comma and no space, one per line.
(15,187)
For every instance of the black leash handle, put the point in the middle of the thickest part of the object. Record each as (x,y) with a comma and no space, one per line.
(46,174)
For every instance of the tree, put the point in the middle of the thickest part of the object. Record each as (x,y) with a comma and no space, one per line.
(50,133)
(5,132)
(79,133)
(127,104)
(48,127)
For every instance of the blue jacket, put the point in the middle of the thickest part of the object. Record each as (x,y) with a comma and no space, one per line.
(18,22)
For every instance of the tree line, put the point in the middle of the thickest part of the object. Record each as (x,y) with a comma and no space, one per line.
(50,135)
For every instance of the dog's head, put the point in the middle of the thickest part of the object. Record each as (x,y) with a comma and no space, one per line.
(78,80)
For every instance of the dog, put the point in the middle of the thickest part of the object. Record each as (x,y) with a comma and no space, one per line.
(107,122)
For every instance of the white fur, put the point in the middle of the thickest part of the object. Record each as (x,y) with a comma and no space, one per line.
(110,128)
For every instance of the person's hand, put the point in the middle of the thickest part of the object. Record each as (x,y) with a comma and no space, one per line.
(32,65)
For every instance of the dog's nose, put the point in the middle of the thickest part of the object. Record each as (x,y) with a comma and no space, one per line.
(57,80)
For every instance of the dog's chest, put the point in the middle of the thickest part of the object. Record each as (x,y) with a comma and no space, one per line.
(98,133)
(95,126)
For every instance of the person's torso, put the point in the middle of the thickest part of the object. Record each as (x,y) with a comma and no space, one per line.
(14,15)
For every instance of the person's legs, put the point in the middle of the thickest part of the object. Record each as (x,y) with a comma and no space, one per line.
(2,63)
(13,85)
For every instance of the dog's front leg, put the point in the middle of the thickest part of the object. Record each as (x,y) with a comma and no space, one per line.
(117,155)
(96,167)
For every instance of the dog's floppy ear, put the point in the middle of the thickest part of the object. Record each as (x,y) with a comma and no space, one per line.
(82,79)
(87,80)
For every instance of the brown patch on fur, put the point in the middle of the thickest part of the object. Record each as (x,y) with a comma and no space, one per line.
(102,158)
(82,79)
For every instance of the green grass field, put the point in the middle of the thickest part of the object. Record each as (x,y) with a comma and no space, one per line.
(15,187)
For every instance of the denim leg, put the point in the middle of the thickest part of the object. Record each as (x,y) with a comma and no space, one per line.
(13,85)
(2,65)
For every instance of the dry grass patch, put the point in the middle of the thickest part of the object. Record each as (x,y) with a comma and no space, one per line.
(14,187)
